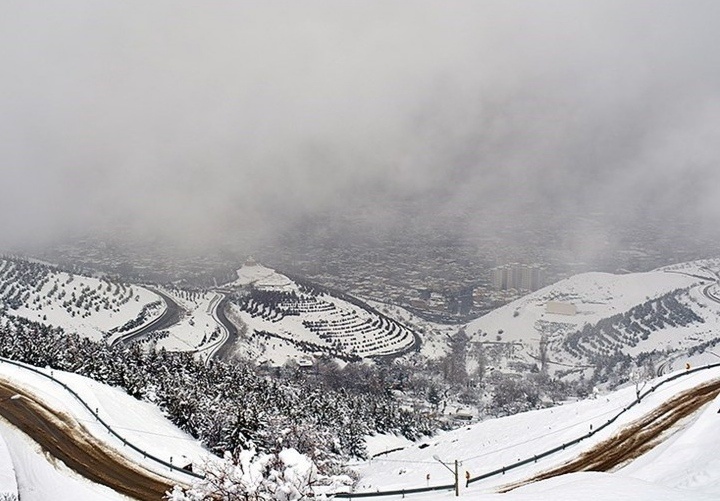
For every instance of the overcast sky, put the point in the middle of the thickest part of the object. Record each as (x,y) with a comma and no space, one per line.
(198,119)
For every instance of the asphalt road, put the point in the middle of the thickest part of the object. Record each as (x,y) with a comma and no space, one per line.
(170,317)
(67,440)
(225,351)
(706,292)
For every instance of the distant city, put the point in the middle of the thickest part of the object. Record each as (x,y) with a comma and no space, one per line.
(435,274)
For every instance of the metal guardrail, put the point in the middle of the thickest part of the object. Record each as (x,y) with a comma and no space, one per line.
(395,492)
(101,421)
(532,459)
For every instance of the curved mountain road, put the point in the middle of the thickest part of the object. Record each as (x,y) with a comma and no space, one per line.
(706,292)
(170,317)
(224,352)
(63,438)
(637,438)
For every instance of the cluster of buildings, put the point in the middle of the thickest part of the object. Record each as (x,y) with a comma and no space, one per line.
(517,276)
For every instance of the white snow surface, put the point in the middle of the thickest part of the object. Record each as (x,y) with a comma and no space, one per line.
(685,466)
(108,311)
(141,424)
(8,483)
(39,479)
(260,277)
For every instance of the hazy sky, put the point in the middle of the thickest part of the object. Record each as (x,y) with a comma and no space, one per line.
(199,119)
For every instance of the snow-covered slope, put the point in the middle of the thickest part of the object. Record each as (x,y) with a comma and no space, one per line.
(589,318)
(684,466)
(594,295)
(283,318)
(139,423)
(91,307)
(8,481)
(39,478)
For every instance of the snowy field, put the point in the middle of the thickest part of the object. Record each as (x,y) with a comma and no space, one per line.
(87,306)
(685,466)
(197,325)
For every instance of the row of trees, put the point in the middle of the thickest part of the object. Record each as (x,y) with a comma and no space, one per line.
(608,337)
(229,407)
(22,283)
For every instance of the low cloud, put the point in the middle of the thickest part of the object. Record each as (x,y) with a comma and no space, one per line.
(199,120)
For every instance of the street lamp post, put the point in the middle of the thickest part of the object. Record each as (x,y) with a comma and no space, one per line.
(455,472)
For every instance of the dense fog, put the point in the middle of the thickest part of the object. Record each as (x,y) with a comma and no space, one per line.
(195,122)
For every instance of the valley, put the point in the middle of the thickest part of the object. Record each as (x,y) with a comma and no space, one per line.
(310,357)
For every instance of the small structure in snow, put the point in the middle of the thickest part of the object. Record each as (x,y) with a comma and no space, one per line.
(561,308)
(182,462)
(463,415)
(305,362)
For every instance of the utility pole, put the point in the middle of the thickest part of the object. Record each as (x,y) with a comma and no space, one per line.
(457,482)
(455,472)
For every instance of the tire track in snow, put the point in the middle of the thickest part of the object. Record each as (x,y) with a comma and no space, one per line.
(65,439)
(635,439)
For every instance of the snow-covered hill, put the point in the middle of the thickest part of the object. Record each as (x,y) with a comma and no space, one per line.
(282,318)
(683,466)
(598,318)
(91,307)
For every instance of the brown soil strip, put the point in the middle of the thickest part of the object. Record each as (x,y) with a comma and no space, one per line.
(65,439)
(637,438)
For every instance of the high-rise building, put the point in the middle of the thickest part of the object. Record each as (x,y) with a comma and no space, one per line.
(499,278)
(530,278)
(517,276)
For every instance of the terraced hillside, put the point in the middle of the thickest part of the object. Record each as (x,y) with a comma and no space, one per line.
(312,319)
(92,307)
(627,330)
(604,326)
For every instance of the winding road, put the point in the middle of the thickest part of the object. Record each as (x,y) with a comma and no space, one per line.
(221,350)
(64,438)
(170,317)
(667,365)
(712,297)
(224,351)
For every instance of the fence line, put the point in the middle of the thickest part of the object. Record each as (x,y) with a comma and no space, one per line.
(532,459)
(395,492)
(101,421)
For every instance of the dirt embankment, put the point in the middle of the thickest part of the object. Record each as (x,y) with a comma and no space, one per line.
(63,438)
(637,438)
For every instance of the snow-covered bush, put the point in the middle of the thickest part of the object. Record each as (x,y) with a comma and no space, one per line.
(287,476)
